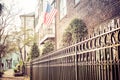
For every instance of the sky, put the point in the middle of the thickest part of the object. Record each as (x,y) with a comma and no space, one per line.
(27,6)
(23,6)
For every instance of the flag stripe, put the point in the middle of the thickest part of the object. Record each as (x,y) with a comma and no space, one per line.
(49,15)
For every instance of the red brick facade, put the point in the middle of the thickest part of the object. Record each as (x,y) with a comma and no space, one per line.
(92,12)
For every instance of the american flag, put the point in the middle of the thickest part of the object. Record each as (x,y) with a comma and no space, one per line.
(49,14)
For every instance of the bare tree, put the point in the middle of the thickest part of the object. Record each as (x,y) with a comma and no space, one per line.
(7,18)
(7,22)
(19,41)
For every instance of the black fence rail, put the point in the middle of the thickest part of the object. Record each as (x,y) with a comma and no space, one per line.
(96,58)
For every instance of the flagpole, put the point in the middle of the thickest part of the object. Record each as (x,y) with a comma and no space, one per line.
(55,26)
(49,17)
(55,35)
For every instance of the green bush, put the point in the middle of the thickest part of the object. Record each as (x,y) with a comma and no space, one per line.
(34,51)
(75,31)
(48,47)
(67,38)
(18,67)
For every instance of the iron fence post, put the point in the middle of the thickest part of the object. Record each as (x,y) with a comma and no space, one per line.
(76,64)
(31,70)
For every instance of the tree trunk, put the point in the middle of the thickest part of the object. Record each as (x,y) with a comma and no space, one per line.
(21,56)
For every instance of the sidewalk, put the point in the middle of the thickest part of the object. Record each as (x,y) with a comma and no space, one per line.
(9,75)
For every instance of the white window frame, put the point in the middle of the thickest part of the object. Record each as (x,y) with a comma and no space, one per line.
(63,8)
(77,1)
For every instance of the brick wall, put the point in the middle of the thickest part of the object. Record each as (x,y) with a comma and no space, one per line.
(92,12)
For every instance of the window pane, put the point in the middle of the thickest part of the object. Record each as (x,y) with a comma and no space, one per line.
(76,1)
(63,8)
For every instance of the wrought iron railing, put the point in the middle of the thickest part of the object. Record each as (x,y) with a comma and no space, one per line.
(96,58)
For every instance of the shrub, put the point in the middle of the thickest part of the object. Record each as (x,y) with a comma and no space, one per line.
(48,47)
(34,51)
(75,31)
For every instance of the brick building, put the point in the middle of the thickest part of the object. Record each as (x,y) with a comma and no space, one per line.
(95,13)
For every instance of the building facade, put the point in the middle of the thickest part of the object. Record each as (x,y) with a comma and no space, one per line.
(45,32)
(95,14)
(28,24)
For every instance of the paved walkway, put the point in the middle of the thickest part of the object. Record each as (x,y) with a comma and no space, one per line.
(9,75)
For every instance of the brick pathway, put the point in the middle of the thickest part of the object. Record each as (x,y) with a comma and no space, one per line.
(9,75)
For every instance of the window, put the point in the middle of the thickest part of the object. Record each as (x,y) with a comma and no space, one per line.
(76,1)
(63,8)
(30,22)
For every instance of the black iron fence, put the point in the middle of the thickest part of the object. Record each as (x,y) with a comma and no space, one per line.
(95,58)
